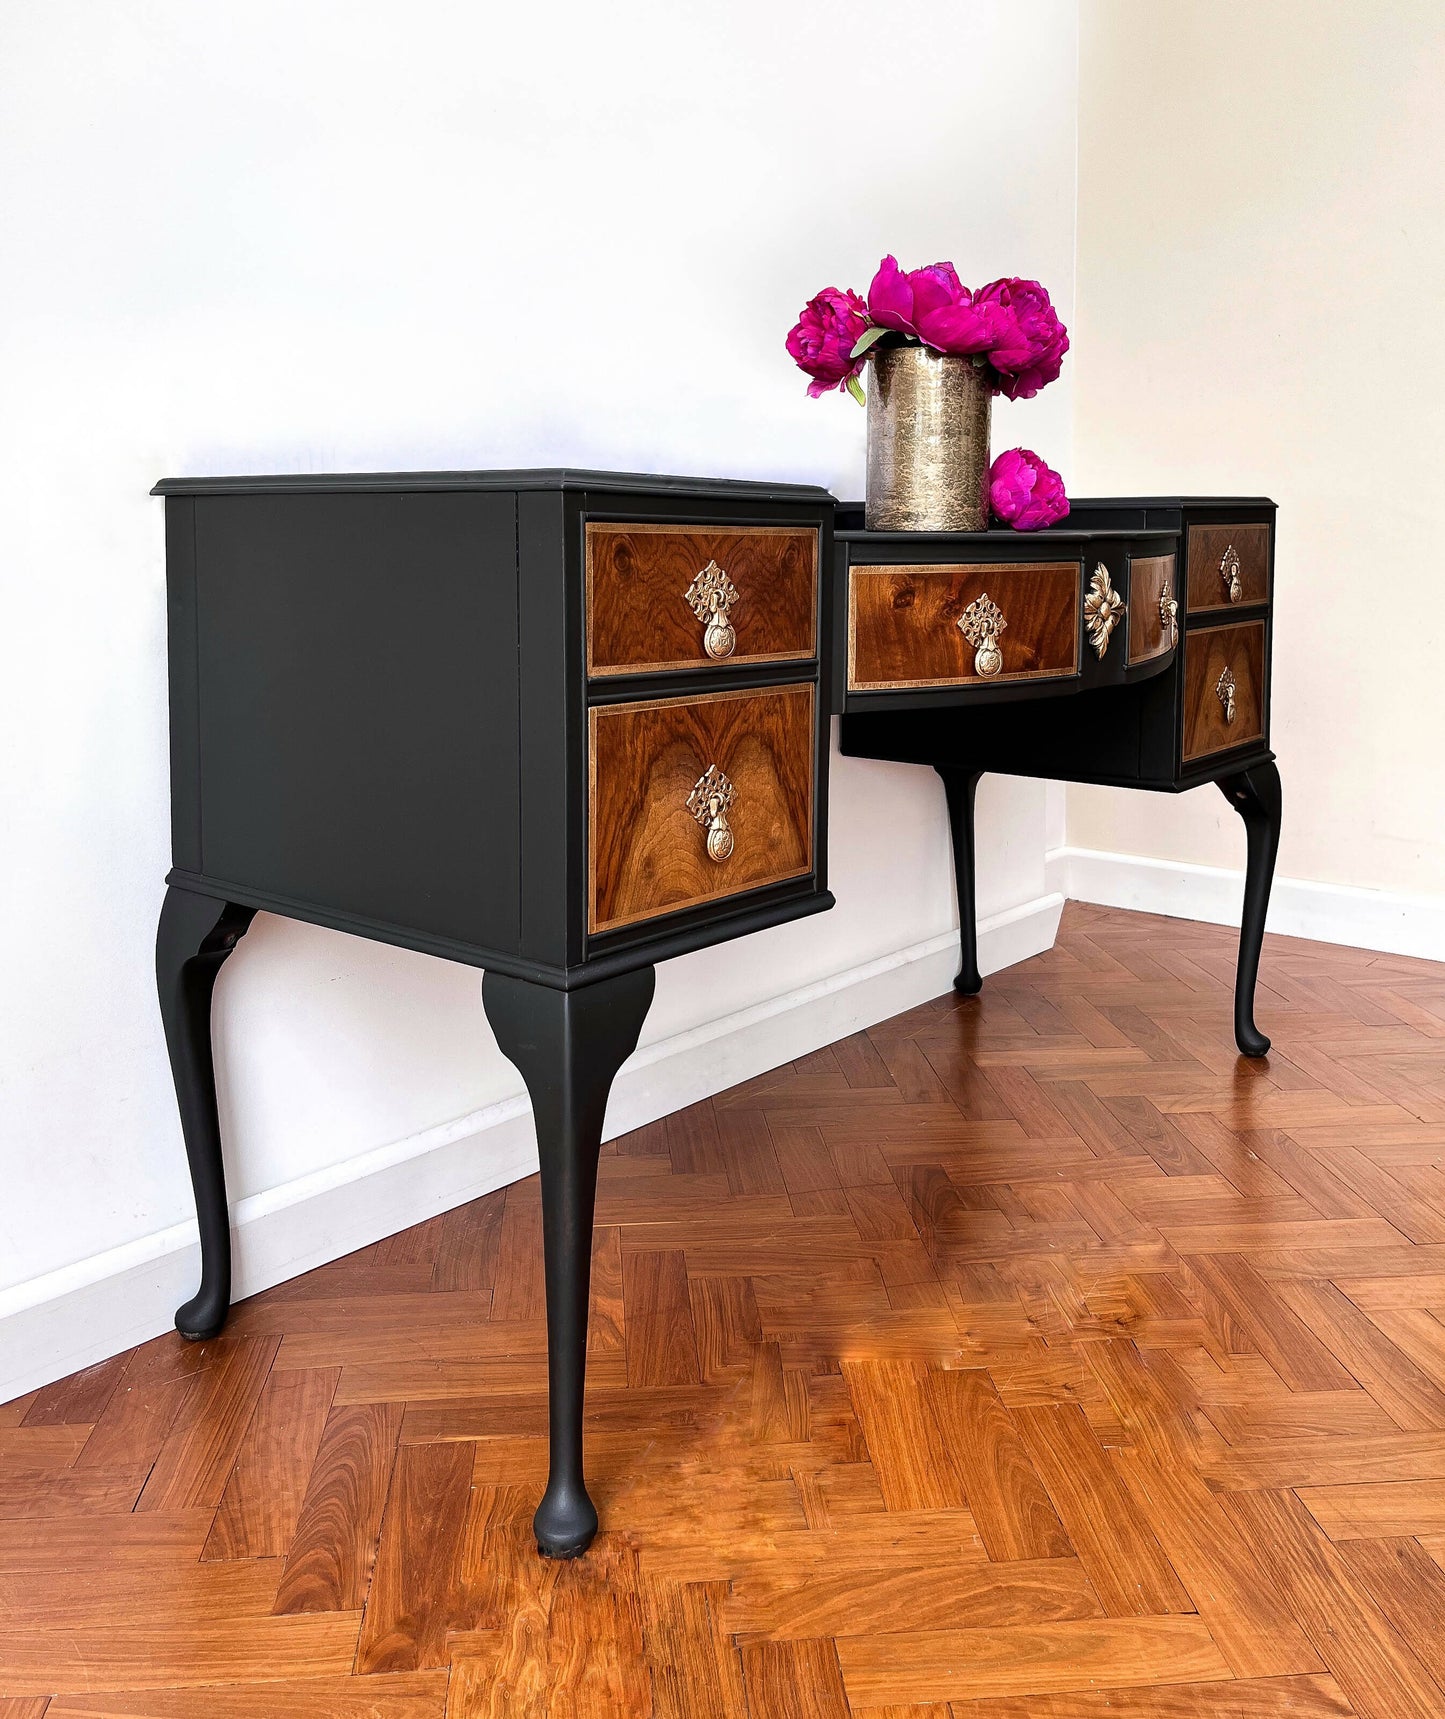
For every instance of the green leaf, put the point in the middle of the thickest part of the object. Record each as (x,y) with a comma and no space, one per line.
(868,337)
(855,388)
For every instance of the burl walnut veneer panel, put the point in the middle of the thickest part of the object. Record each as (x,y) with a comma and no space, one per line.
(1207,654)
(1149,578)
(648,854)
(903,622)
(1209,547)
(639,619)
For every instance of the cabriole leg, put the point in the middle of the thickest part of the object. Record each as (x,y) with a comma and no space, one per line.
(568,1046)
(195,935)
(960,787)
(1255,795)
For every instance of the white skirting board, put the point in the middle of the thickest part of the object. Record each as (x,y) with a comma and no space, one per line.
(69,1319)
(1391,921)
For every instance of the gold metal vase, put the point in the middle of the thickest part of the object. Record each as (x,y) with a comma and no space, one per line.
(928,429)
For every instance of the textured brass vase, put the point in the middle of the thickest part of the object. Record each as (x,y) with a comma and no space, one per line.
(928,426)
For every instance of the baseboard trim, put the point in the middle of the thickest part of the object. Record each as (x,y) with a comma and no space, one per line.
(1391,921)
(53,1325)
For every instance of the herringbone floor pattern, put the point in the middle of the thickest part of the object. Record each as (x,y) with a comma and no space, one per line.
(1024,1356)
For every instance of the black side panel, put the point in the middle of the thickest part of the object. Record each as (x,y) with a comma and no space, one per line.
(553,788)
(359,709)
(184,702)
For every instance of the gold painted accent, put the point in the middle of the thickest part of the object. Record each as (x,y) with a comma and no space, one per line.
(1103,610)
(1169,615)
(981,623)
(1229,573)
(710,802)
(1224,692)
(928,431)
(710,596)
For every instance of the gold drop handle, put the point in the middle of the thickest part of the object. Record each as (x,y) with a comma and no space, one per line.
(981,623)
(1224,692)
(1229,574)
(710,597)
(710,802)
(1169,616)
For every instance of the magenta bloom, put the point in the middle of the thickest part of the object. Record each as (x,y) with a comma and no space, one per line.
(824,336)
(1025,493)
(935,307)
(1031,342)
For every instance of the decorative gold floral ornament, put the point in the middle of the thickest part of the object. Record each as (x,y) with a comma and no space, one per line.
(1103,609)
(981,623)
(710,596)
(1224,692)
(1169,615)
(1229,574)
(710,802)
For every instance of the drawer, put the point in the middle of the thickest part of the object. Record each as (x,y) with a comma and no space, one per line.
(1210,655)
(930,625)
(695,799)
(1228,565)
(665,597)
(1153,607)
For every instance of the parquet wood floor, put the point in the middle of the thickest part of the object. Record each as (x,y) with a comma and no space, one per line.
(1025,1356)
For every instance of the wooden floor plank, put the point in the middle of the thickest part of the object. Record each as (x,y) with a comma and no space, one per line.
(195,1460)
(959,1665)
(334,1544)
(422,1695)
(1115,1544)
(261,1503)
(416,1595)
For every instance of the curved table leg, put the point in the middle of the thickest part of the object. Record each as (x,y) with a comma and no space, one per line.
(568,1046)
(1255,795)
(960,787)
(195,935)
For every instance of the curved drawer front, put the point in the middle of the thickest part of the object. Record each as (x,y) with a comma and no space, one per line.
(1228,566)
(662,597)
(922,626)
(695,799)
(1153,607)
(1223,688)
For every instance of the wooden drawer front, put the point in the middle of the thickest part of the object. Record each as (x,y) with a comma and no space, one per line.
(648,853)
(1152,588)
(1208,654)
(643,582)
(1225,558)
(903,623)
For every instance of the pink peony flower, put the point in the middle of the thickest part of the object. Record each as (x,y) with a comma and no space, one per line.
(823,339)
(1031,343)
(935,307)
(1024,492)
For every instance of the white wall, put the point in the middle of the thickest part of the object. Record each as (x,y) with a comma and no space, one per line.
(1261,240)
(270,237)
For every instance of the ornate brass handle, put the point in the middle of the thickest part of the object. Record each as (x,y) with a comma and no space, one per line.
(1224,692)
(710,596)
(1169,616)
(709,802)
(1103,610)
(1229,574)
(981,623)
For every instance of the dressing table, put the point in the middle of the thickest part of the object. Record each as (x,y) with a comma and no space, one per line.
(563,725)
